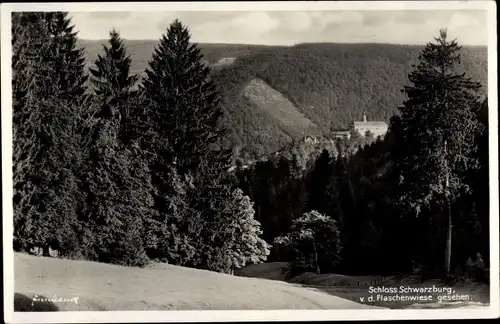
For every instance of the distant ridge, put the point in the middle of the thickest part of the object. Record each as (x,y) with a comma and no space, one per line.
(221,44)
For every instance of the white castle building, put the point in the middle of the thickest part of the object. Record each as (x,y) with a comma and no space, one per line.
(377,128)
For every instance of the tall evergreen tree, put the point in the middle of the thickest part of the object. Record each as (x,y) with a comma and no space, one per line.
(185,108)
(112,77)
(184,142)
(118,198)
(113,85)
(48,96)
(437,128)
(173,232)
(27,29)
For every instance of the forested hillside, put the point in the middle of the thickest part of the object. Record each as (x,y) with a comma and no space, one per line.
(330,84)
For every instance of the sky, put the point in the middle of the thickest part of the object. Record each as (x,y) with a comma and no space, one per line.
(292,27)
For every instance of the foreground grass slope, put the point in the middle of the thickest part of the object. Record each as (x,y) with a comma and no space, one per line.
(356,287)
(159,287)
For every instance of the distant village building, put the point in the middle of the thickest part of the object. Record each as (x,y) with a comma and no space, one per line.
(341,134)
(377,128)
(226,60)
(311,139)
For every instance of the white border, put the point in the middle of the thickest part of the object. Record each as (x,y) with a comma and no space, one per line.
(254,6)
(212,316)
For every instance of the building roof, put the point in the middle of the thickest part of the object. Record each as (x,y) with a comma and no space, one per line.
(369,124)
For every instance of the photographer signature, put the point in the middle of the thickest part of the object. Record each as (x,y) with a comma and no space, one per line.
(53,299)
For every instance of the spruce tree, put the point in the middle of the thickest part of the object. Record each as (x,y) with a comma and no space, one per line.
(113,85)
(437,128)
(186,147)
(185,105)
(117,180)
(29,39)
(174,228)
(118,198)
(112,77)
(48,99)
(183,141)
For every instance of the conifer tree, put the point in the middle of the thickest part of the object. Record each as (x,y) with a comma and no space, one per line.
(29,39)
(186,146)
(118,199)
(173,231)
(183,141)
(48,98)
(437,128)
(113,85)
(112,77)
(117,182)
(185,105)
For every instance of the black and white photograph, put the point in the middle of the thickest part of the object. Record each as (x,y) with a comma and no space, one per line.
(244,161)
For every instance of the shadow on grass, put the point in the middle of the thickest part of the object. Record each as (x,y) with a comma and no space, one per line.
(23,303)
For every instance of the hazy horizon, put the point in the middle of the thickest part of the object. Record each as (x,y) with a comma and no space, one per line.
(268,45)
(288,28)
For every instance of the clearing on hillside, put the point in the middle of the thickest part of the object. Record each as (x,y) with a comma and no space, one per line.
(101,286)
(264,97)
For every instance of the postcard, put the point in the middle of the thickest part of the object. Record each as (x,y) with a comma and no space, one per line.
(249,161)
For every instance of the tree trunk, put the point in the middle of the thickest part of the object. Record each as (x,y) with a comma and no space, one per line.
(447,264)
(46,251)
(30,249)
(316,265)
(448,242)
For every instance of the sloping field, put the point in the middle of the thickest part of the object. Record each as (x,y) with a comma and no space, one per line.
(278,106)
(355,288)
(159,287)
